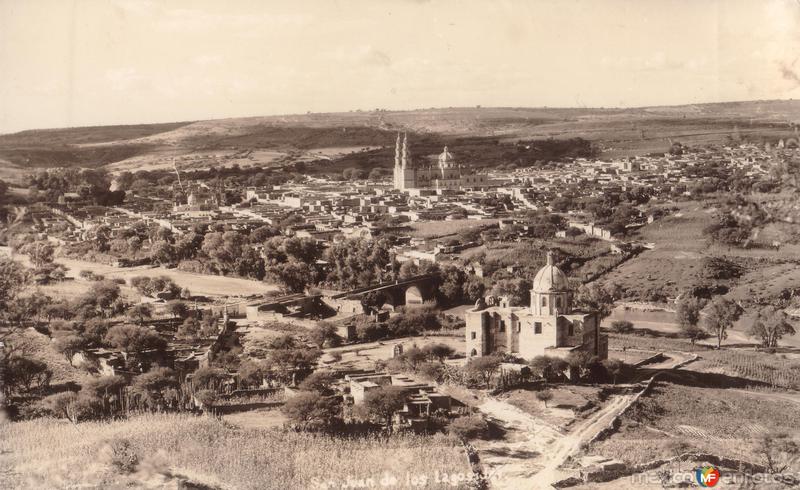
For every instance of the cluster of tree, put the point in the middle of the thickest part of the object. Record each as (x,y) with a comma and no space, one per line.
(316,406)
(111,396)
(157,287)
(427,361)
(197,324)
(456,287)
(358,262)
(92,185)
(409,320)
(41,254)
(728,231)
(720,315)
(284,360)
(292,261)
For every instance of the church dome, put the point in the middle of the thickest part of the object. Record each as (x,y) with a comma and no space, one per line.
(550,278)
(446,158)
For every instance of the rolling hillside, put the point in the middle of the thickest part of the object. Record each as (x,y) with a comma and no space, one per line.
(364,139)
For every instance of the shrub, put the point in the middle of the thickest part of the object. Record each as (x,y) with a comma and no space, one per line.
(621,326)
(119,454)
(544,396)
(469,427)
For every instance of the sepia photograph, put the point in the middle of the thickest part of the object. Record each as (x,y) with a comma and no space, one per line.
(399,244)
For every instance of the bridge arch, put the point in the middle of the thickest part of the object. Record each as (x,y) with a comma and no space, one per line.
(413,296)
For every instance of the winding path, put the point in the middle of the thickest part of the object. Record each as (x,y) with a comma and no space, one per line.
(530,455)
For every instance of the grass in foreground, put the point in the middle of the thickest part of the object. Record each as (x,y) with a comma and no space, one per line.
(47,453)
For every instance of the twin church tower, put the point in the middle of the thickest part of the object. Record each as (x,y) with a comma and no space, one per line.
(447,174)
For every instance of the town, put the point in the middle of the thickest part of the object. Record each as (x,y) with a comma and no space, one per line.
(318,245)
(341,303)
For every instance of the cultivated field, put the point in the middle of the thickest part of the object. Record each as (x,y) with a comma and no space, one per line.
(173,449)
(675,418)
(437,229)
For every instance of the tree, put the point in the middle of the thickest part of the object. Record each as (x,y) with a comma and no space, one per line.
(40,253)
(414,356)
(324,334)
(156,287)
(109,390)
(599,297)
(770,326)
(156,389)
(134,339)
(141,312)
(614,368)
(383,402)
(70,344)
(25,372)
(582,362)
(722,313)
(251,373)
(485,367)
(544,396)
(13,280)
(451,285)
(688,313)
(439,351)
(163,252)
(517,290)
(319,381)
(102,297)
(548,368)
(291,363)
(294,276)
(178,309)
(209,378)
(73,406)
(312,410)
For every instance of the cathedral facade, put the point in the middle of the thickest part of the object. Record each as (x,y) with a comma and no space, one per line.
(549,326)
(445,174)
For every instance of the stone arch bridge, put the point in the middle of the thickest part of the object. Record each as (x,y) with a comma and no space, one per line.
(411,291)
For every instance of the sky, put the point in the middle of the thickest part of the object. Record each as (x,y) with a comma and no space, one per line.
(94,62)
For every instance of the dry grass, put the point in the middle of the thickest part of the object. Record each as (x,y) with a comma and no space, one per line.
(46,453)
(436,229)
(719,421)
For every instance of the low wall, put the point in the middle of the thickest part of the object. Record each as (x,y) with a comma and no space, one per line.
(613,426)
(244,407)
(655,358)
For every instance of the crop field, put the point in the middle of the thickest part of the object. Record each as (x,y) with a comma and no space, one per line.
(436,229)
(162,451)
(674,419)
(772,369)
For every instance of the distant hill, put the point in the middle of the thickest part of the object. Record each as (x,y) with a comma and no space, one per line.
(331,137)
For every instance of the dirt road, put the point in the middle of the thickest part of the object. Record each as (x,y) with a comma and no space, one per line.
(529,456)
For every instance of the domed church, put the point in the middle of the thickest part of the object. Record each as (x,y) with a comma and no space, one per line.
(549,326)
(447,174)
